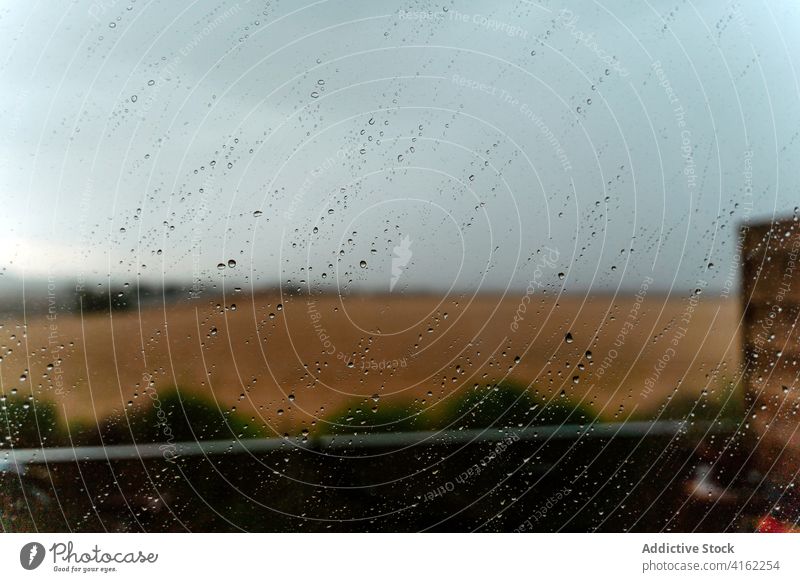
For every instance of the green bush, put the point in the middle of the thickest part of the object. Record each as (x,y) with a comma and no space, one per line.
(703,407)
(499,405)
(26,422)
(171,416)
(511,405)
(369,417)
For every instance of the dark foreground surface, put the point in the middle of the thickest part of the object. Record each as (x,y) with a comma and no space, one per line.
(570,479)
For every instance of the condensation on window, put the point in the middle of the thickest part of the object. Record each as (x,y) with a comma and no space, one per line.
(366,266)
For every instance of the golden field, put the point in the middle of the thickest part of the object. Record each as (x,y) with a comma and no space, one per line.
(291,360)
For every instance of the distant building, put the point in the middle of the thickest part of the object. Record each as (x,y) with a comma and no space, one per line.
(771,336)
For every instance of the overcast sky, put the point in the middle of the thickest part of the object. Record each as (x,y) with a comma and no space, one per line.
(306,141)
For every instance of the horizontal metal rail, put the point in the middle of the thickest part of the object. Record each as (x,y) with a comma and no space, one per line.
(15,459)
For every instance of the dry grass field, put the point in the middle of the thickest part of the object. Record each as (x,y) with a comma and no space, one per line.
(291,360)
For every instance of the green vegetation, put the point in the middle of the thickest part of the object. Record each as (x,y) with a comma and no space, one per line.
(722,403)
(170,416)
(179,415)
(369,417)
(25,422)
(511,405)
(176,415)
(499,405)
